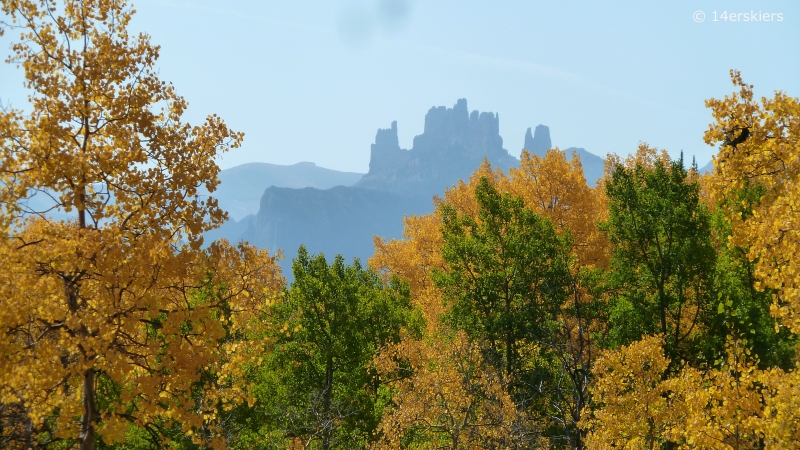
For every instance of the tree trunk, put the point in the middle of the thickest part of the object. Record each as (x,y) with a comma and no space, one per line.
(89,412)
(326,405)
(89,416)
(509,338)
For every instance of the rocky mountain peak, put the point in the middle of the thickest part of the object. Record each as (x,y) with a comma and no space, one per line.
(452,145)
(386,153)
(539,142)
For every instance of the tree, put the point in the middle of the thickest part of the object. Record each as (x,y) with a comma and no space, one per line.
(112,296)
(663,261)
(556,188)
(742,311)
(633,406)
(453,400)
(553,188)
(335,319)
(760,146)
(507,279)
(507,275)
(412,260)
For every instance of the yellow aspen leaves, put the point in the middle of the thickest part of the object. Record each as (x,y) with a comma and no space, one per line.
(634,406)
(780,424)
(454,400)
(723,406)
(734,406)
(556,188)
(760,147)
(110,316)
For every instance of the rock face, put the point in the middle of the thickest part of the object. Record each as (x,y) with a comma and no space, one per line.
(540,142)
(452,145)
(339,220)
(385,153)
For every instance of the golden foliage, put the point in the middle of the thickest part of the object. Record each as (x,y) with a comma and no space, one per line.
(760,146)
(556,188)
(634,406)
(140,321)
(645,156)
(735,406)
(413,259)
(780,424)
(121,295)
(723,405)
(453,400)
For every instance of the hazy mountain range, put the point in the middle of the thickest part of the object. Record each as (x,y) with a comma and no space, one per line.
(281,207)
(241,187)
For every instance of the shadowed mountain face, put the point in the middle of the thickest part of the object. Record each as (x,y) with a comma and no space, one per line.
(340,220)
(343,220)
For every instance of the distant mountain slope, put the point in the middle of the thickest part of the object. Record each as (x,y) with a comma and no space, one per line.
(339,220)
(592,164)
(241,187)
(540,142)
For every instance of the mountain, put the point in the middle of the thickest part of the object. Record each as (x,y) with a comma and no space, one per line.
(708,168)
(540,142)
(339,220)
(343,220)
(241,187)
(239,191)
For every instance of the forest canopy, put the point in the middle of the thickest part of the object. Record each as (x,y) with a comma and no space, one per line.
(658,309)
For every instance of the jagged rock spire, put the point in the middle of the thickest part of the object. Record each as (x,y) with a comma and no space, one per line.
(539,142)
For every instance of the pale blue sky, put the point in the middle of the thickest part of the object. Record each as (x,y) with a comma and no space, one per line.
(313,81)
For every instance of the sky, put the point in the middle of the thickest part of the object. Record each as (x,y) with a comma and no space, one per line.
(314,80)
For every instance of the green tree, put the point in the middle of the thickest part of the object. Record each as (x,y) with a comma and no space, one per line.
(742,312)
(507,280)
(662,262)
(318,387)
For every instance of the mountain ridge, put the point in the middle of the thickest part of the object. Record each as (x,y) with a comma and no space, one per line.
(241,187)
(344,219)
